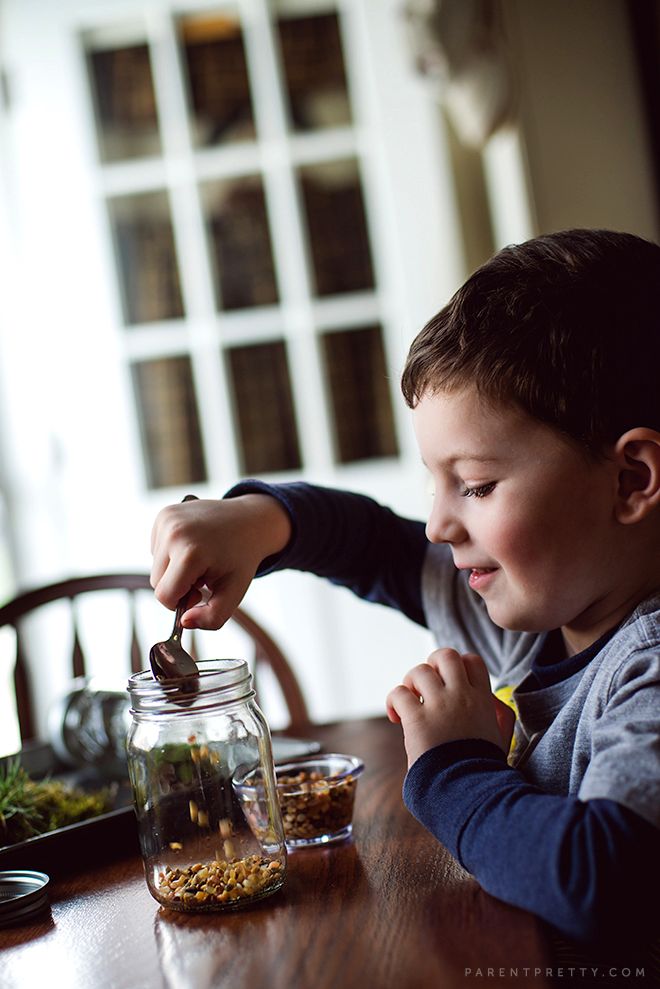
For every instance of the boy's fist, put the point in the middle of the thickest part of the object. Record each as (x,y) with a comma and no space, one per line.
(446,699)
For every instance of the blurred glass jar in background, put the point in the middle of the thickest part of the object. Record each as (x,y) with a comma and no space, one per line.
(184,753)
(87,728)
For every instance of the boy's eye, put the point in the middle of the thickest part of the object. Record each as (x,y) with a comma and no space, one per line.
(479,491)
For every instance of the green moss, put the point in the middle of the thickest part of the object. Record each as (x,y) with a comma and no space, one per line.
(32,807)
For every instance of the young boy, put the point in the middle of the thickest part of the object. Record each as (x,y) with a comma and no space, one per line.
(536,405)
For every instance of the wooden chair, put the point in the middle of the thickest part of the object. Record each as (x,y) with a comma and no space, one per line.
(266,653)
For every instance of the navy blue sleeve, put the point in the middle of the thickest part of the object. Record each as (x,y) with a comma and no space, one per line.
(585,867)
(352,541)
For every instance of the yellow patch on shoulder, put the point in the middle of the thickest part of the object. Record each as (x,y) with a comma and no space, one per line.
(505,694)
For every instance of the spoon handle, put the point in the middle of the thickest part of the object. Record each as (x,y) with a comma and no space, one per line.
(177,631)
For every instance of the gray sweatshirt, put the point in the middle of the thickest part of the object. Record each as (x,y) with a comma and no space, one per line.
(595,734)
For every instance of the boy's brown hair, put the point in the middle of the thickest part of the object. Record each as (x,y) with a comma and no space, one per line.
(566,326)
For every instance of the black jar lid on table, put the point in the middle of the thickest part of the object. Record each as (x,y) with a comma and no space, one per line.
(22,894)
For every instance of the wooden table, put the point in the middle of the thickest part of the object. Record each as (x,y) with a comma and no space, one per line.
(388,908)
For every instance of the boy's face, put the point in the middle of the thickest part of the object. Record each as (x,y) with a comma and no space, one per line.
(526,515)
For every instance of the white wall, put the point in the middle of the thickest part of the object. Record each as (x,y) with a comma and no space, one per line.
(582,116)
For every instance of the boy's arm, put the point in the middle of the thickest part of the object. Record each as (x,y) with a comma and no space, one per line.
(583,861)
(585,867)
(222,544)
(351,540)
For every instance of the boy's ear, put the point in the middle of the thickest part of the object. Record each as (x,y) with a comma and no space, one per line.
(637,454)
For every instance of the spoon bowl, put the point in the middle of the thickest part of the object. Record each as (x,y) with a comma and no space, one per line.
(168,659)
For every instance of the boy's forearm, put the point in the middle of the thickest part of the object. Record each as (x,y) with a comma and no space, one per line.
(579,865)
(349,539)
(271,527)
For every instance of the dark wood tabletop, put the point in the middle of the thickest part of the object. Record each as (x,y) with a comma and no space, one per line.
(387,908)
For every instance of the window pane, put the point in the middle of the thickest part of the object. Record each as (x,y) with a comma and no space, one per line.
(169,422)
(239,239)
(125,102)
(337,228)
(314,71)
(218,86)
(146,258)
(357,378)
(263,408)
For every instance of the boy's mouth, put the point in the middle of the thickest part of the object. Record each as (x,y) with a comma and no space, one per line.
(480,576)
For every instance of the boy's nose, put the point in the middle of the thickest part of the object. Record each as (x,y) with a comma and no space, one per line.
(444,527)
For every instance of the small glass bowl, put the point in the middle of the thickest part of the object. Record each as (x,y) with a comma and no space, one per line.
(316,796)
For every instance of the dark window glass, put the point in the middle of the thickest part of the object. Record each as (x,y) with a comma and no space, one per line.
(356,373)
(263,408)
(240,244)
(125,102)
(217,75)
(169,422)
(146,257)
(314,72)
(337,228)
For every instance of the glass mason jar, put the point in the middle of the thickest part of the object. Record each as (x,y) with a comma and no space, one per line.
(186,751)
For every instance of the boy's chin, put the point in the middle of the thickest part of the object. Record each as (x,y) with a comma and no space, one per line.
(515,621)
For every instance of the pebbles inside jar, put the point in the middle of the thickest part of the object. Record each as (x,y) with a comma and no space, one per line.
(206,885)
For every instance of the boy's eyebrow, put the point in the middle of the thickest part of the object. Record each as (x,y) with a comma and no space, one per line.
(461,455)
(468,455)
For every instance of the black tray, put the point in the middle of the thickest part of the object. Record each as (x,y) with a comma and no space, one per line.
(78,846)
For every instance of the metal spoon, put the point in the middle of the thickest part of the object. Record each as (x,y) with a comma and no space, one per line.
(169,660)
